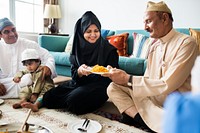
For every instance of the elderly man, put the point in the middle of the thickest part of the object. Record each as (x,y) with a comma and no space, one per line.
(140,98)
(11,48)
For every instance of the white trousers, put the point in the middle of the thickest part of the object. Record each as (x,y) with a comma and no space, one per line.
(13,88)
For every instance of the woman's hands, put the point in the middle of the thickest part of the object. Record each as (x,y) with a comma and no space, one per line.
(83,70)
(118,76)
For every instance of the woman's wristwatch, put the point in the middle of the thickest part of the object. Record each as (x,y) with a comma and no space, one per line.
(130,81)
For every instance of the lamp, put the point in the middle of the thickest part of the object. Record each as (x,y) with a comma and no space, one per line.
(52,12)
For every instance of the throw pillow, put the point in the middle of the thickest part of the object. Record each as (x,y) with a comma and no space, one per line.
(141,45)
(196,35)
(120,42)
(104,33)
(68,47)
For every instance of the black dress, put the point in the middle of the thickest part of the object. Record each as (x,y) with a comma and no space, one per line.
(87,93)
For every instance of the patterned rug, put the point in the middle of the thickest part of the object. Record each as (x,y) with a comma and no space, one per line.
(108,115)
(58,120)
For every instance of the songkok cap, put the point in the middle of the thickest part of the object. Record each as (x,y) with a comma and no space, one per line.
(160,6)
(28,54)
(5,22)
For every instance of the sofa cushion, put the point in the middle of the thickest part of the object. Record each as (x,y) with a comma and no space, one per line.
(133,66)
(104,33)
(130,38)
(120,42)
(141,45)
(196,35)
(61,58)
(53,42)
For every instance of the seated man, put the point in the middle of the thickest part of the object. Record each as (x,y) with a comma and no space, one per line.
(170,61)
(11,47)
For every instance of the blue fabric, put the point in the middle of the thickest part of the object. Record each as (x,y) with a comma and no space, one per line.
(133,66)
(182,113)
(104,33)
(53,43)
(61,58)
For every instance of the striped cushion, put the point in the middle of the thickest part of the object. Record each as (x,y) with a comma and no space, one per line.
(141,45)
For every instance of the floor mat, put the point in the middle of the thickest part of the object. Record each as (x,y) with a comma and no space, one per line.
(108,115)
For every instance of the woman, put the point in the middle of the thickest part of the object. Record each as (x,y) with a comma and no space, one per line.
(86,92)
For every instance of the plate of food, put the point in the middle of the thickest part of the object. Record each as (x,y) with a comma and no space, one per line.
(97,69)
(93,126)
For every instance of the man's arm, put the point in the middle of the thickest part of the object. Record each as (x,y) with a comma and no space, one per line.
(47,60)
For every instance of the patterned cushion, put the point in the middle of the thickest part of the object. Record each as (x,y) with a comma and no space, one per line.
(120,42)
(141,45)
(196,35)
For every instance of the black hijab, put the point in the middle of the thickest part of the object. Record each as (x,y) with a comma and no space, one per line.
(83,52)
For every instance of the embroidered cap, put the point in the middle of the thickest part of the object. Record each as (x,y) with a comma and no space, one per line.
(160,6)
(5,22)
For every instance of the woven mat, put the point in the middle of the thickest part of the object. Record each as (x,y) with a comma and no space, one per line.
(57,120)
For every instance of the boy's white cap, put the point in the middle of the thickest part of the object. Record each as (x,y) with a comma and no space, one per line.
(28,54)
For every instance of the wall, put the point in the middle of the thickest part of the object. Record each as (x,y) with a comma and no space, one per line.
(127,14)
(31,36)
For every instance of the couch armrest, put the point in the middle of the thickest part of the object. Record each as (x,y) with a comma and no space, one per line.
(133,66)
(53,42)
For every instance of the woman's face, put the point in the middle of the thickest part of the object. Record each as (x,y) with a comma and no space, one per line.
(92,34)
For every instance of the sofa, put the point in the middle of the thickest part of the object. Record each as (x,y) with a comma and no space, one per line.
(134,65)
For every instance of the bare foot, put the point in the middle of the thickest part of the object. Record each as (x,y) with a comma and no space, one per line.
(17,105)
(30,105)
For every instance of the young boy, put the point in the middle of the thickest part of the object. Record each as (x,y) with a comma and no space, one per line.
(31,95)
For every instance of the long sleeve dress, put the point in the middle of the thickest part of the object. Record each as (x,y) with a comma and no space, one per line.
(87,93)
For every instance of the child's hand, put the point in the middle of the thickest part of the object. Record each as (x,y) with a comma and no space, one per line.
(17,79)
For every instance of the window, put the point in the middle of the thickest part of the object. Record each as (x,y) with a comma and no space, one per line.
(4,8)
(26,14)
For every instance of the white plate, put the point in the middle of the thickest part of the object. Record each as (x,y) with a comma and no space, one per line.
(1,101)
(14,127)
(3,124)
(100,73)
(90,68)
(93,126)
